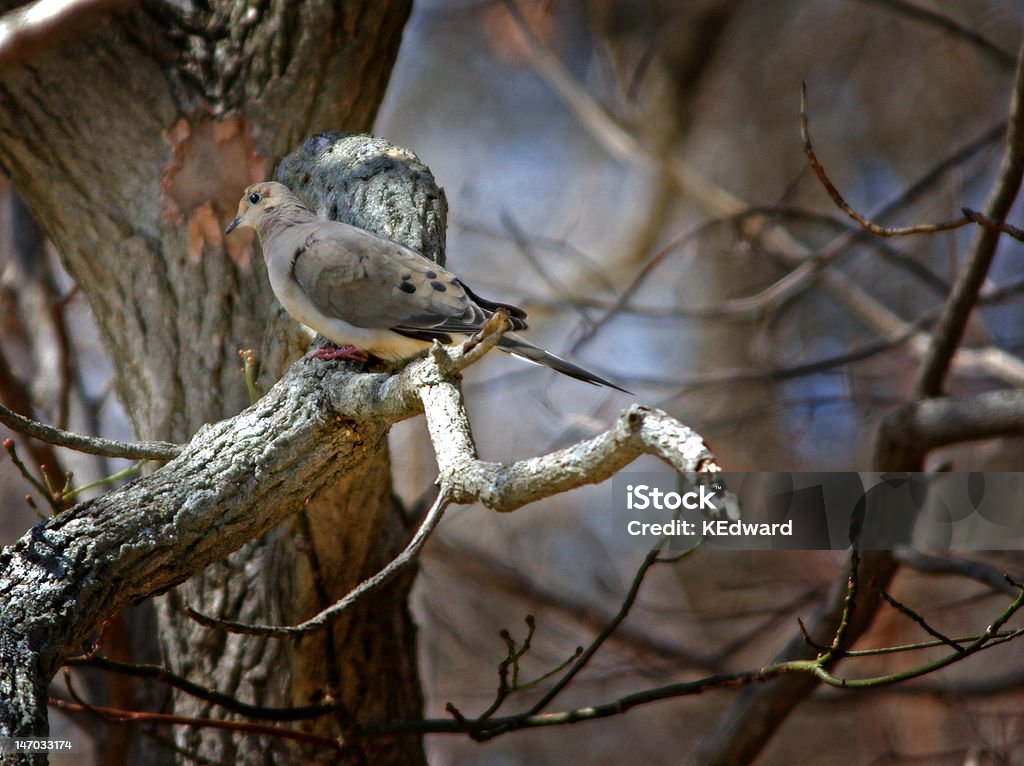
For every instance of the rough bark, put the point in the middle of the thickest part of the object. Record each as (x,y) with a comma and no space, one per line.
(236,480)
(367,659)
(131,144)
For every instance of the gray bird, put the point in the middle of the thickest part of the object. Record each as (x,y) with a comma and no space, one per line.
(368,294)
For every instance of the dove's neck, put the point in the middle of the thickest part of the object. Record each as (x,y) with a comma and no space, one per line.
(285,215)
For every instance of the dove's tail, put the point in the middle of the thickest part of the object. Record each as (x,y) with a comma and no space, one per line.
(513,344)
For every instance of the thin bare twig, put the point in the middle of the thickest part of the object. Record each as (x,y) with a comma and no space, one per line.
(367,586)
(92,445)
(232,704)
(38,485)
(842,204)
(114,715)
(342,715)
(899,606)
(988,223)
(624,609)
(473,564)
(990,637)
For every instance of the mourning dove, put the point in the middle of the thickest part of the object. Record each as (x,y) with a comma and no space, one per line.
(369,294)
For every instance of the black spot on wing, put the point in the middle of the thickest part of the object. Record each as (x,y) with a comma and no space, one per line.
(431,275)
(439,286)
(407,287)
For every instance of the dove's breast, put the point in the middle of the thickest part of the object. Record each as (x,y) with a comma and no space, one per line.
(381,343)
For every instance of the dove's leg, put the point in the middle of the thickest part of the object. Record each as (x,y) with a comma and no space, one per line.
(350,353)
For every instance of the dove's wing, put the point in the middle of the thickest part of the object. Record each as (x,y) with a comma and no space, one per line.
(372,282)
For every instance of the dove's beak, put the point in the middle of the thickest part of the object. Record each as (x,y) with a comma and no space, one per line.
(234,224)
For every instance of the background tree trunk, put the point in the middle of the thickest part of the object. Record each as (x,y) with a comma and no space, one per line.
(131,145)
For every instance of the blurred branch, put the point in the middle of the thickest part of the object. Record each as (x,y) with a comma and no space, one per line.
(114,715)
(920,427)
(1001,226)
(522,243)
(165,676)
(624,147)
(605,129)
(477,566)
(15,395)
(734,309)
(1007,681)
(798,370)
(949,25)
(950,329)
(562,246)
(978,571)
(33,261)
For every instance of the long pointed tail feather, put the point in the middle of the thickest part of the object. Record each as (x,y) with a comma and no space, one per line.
(513,344)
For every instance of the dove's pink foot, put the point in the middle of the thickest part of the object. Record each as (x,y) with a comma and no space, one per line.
(350,353)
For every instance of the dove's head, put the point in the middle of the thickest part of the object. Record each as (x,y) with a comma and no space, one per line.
(258,200)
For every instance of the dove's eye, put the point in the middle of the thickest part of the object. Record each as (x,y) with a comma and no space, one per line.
(254,198)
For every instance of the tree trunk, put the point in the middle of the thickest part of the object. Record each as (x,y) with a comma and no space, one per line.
(132,144)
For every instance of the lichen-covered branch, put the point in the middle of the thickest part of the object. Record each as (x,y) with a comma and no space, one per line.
(433,382)
(239,478)
(638,430)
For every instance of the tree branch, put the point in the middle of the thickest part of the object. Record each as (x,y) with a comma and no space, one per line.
(842,204)
(638,430)
(950,329)
(919,427)
(315,425)
(466,479)
(233,482)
